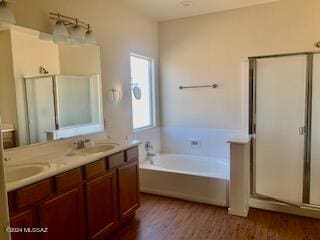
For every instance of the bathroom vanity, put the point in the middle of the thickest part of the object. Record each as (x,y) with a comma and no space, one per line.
(8,139)
(50,100)
(86,198)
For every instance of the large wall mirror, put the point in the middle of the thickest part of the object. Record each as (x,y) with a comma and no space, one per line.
(47,91)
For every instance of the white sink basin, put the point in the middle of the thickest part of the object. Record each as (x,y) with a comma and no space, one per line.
(98,149)
(16,173)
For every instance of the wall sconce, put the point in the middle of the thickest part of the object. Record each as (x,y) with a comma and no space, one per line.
(114,95)
(71,30)
(317,44)
(6,16)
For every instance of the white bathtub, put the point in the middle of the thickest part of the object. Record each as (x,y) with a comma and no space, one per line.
(193,178)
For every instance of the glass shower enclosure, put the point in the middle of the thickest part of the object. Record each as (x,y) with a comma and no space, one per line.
(285,125)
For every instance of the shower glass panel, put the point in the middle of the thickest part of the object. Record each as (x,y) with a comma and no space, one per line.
(315,135)
(73,100)
(40,106)
(279,123)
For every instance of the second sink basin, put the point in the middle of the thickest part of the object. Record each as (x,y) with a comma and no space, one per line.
(16,173)
(100,148)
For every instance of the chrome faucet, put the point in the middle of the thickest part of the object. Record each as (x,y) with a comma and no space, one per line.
(148,147)
(81,144)
(149,154)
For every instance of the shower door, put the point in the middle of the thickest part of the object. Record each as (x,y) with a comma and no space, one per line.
(279,126)
(314,166)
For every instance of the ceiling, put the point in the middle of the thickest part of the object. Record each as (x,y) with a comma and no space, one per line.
(163,10)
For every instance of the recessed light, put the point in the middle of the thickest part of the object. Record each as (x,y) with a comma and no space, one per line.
(186,3)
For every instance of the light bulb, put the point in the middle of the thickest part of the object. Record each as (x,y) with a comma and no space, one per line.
(77,34)
(60,33)
(90,38)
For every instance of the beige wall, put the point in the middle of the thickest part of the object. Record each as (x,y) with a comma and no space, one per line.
(119,31)
(28,54)
(8,110)
(211,48)
(79,61)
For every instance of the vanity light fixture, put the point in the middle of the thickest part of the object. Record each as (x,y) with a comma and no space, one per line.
(60,32)
(89,37)
(69,29)
(77,37)
(6,16)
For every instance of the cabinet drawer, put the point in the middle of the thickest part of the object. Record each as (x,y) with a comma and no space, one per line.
(116,160)
(95,169)
(8,143)
(132,154)
(68,179)
(8,135)
(31,194)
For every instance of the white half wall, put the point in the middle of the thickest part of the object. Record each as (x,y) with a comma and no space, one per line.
(213,142)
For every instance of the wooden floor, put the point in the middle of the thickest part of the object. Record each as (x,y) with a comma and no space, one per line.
(161,218)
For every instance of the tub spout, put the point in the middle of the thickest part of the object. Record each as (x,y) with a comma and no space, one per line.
(149,154)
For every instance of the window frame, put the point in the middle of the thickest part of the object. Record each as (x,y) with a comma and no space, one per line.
(151,90)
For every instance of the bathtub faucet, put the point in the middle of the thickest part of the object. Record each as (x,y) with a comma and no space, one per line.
(149,154)
(148,147)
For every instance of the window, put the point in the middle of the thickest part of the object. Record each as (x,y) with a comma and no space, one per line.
(142,78)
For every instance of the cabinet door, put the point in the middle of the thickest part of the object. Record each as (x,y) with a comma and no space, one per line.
(23,220)
(128,180)
(101,205)
(63,216)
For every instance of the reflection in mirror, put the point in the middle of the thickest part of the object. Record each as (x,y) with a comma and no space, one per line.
(40,108)
(60,106)
(37,106)
(73,101)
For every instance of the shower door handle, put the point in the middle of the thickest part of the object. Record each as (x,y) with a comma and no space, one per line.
(302,130)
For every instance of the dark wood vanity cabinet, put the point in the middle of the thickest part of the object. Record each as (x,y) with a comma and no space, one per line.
(63,216)
(128,182)
(20,220)
(101,195)
(84,203)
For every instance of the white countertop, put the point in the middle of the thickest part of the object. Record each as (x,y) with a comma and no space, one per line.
(64,162)
(7,128)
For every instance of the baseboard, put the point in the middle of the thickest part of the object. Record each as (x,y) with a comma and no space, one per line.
(184,197)
(238,213)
